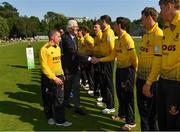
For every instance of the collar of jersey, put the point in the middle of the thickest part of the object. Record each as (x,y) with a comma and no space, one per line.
(174,21)
(123,33)
(53,45)
(99,34)
(108,27)
(153,28)
(85,36)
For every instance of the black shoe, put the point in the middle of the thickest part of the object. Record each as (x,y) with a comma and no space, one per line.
(68,106)
(79,111)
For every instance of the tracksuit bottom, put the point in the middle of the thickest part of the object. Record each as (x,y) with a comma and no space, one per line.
(53,97)
(97,79)
(107,86)
(147,106)
(125,93)
(168,98)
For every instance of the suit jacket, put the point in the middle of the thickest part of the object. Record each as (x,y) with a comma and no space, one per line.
(71,62)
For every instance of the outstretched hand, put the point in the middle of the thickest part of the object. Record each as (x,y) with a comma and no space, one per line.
(95,60)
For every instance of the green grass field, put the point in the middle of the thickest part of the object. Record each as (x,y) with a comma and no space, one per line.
(20,98)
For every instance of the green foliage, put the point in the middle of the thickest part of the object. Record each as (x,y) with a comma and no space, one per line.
(43,28)
(4,29)
(23,26)
(136,28)
(55,20)
(10,13)
(89,24)
(35,25)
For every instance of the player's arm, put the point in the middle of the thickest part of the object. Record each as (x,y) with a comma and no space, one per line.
(110,57)
(111,40)
(45,68)
(132,52)
(156,65)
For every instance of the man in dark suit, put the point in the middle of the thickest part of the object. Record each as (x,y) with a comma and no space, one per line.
(71,65)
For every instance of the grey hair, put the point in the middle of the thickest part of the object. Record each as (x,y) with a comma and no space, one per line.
(71,23)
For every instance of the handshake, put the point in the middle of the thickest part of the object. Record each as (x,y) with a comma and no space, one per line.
(95,60)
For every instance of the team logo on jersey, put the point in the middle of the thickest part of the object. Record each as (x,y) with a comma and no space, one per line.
(56,58)
(144,49)
(157,49)
(127,46)
(148,42)
(173,110)
(169,47)
(108,39)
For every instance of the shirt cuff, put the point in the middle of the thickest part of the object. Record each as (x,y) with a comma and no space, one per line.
(89,58)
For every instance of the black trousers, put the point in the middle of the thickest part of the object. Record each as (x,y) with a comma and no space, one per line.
(168,97)
(90,74)
(107,87)
(97,79)
(125,93)
(73,82)
(83,73)
(147,106)
(53,97)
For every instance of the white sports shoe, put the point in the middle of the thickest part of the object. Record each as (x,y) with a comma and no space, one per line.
(108,111)
(66,123)
(99,99)
(86,87)
(51,121)
(91,92)
(101,104)
(128,127)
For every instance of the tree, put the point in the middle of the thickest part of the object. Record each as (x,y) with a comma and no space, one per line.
(7,10)
(89,24)
(43,28)
(27,26)
(136,28)
(34,25)
(10,13)
(55,20)
(4,29)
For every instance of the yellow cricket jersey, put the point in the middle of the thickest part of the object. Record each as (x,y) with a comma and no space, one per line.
(50,59)
(97,44)
(107,41)
(81,45)
(150,53)
(124,51)
(88,42)
(171,50)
